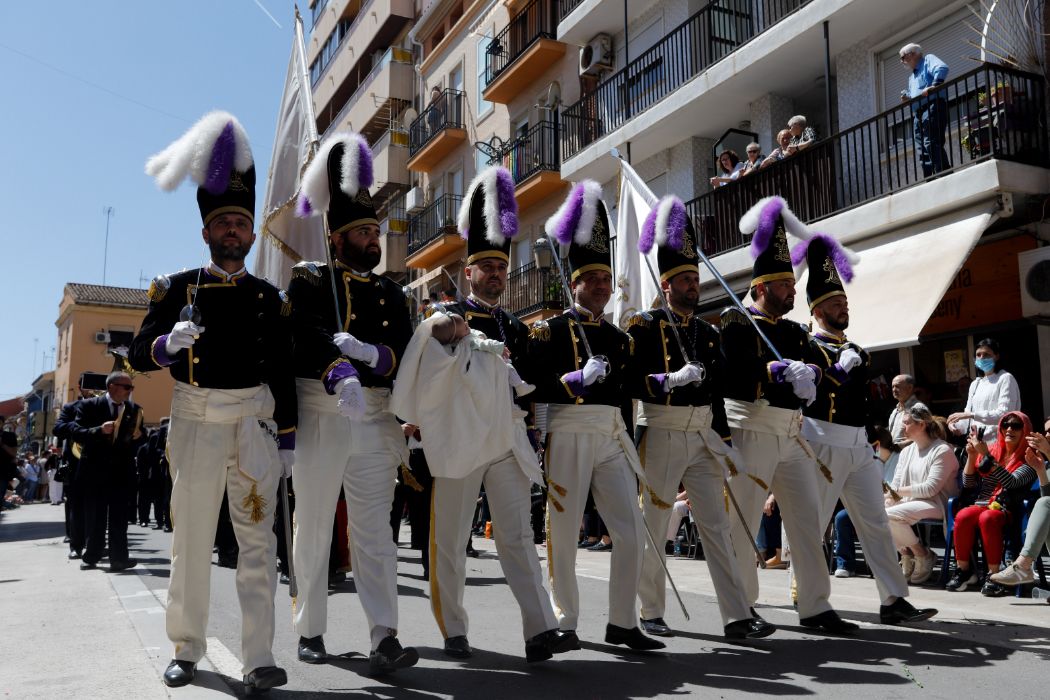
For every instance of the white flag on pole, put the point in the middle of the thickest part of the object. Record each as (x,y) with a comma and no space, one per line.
(285,239)
(635,290)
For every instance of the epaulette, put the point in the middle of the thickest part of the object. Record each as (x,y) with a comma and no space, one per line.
(286,303)
(540,331)
(158,288)
(731,315)
(307,270)
(642,318)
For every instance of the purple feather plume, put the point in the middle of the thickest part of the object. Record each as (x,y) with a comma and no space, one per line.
(676,225)
(648,237)
(365,174)
(221,164)
(566,228)
(767,221)
(303,208)
(508,206)
(835,251)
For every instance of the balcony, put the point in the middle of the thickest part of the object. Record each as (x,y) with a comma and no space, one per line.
(993,113)
(531,290)
(380,92)
(522,51)
(533,161)
(437,131)
(390,165)
(432,234)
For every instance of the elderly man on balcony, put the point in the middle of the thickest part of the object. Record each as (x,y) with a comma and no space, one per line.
(930,114)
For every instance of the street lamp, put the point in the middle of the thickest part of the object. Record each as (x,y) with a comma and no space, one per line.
(541,254)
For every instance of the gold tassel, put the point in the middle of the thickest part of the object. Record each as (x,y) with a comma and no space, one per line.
(725,497)
(558,487)
(554,502)
(657,501)
(255,504)
(825,471)
(540,331)
(732,467)
(758,481)
(410,481)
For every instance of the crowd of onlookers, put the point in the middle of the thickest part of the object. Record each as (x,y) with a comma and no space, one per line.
(796,137)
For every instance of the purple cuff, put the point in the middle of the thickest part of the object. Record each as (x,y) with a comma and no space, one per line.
(385,363)
(837,374)
(159,351)
(776,371)
(818,373)
(340,370)
(656,384)
(286,441)
(573,382)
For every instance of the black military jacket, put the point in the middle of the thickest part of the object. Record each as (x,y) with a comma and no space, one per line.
(247,338)
(842,398)
(555,349)
(750,363)
(372,308)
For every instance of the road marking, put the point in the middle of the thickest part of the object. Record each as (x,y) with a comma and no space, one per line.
(223,659)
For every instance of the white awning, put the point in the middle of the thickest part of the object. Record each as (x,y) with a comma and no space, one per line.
(426,277)
(901,278)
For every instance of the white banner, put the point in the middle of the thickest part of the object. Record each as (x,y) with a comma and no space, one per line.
(635,289)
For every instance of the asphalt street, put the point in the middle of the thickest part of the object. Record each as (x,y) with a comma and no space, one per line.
(93,634)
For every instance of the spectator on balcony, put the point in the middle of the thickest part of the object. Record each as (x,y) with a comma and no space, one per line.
(802,136)
(731,167)
(436,111)
(754,159)
(781,151)
(929,114)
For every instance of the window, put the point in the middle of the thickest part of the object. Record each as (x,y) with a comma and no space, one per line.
(484,106)
(329,50)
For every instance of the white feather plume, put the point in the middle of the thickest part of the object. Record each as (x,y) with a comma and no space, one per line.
(487,179)
(749,221)
(663,211)
(190,155)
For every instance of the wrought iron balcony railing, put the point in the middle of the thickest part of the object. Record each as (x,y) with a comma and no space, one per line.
(444,112)
(438,219)
(534,151)
(535,21)
(531,289)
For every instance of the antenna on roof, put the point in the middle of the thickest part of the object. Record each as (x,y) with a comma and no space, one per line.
(109,212)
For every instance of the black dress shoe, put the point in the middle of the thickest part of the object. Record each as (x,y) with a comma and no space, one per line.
(88,565)
(158,526)
(228,561)
(471,552)
(263,678)
(458,648)
(167,528)
(572,641)
(389,656)
(144,523)
(755,615)
(546,644)
(633,638)
(311,650)
(122,565)
(74,554)
(179,673)
(600,547)
(748,629)
(829,621)
(335,578)
(903,611)
(656,627)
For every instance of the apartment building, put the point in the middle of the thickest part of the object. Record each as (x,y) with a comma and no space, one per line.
(947,260)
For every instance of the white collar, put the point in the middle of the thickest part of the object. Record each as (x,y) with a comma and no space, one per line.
(217,271)
(482,303)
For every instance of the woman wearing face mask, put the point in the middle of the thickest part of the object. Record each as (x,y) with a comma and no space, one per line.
(991,395)
(999,478)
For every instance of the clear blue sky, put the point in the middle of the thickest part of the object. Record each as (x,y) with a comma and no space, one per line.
(91,90)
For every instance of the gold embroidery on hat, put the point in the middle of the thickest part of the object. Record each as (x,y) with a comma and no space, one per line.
(599,242)
(833,273)
(781,244)
(236,184)
(688,247)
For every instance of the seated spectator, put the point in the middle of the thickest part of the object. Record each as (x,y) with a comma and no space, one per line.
(731,167)
(781,151)
(999,478)
(679,509)
(903,389)
(754,159)
(770,535)
(922,484)
(1038,533)
(887,452)
(990,396)
(802,136)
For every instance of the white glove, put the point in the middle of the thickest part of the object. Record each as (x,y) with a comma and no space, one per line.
(355,349)
(848,359)
(688,374)
(287,460)
(593,370)
(805,389)
(798,370)
(183,335)
(352,399)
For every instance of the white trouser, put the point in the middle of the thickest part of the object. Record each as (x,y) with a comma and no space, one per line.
(55,491)
(772,454)
(679,509)
(671,457)
(204,459)
(452,507)
(578,462)
(905,514)
(363,458)
(857,480)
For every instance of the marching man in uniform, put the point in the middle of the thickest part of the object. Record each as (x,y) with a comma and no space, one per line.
(488,220)
(588,447)
(225,336)
(681,401)
(763,395)
(344,374)
(834,425)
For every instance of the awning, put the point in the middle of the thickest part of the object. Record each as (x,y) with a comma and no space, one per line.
(902,277)
(426,277)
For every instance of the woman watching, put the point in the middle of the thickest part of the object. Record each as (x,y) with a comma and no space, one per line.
(922,485)
(1038,532)
(731,167)
(754,159)
(990,396)
(999,477)
(781,151)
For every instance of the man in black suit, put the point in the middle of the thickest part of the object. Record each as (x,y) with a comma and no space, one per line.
(71,458)
(109,430)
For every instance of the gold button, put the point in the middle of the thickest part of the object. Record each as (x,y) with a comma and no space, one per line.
(377,284)
(579,400)
(195,384)
(382,301)
(832,394)
(260,295)
(386,323)
(668,357)
(710,345)
(196,360)
(833,410)
(353,317)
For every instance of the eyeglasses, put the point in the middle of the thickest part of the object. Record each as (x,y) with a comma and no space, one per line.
(128,387)
(754,151)
(1013,426)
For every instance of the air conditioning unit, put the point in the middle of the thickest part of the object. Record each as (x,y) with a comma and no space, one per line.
(102,337)
(1034,271)
(414,200)
(597,56)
